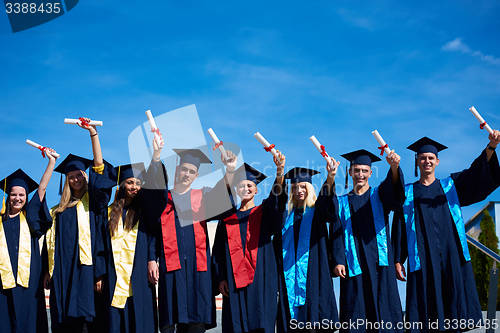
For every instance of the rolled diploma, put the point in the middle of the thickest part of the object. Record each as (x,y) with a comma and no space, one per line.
(318,146)
(153,126)
(216,141)
(264,142)
(381,142)
(481,120)
(77,121)
(36,145)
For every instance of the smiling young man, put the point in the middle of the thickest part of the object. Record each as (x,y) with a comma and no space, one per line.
(360,257)
(184,273)
(429,231)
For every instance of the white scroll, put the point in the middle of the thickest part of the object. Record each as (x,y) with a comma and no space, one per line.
(77,121)
(217,142)
(322,151)
(480,119)
(265,143)
(154,129)
(382,143)
(42,148)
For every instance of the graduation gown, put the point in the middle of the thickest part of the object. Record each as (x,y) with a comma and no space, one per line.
(372,295)
(253,307)
(444,287)
(72,284)
(23,309)
(185,294)
(320,305)
(140,311)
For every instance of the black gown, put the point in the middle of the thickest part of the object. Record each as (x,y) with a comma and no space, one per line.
(320,306)
(72,284)
(185,295)
(23,309)
(444,288)
(372,295)
(140,311)
(253,307)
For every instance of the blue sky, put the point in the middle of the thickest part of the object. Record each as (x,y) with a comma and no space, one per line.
(288,69)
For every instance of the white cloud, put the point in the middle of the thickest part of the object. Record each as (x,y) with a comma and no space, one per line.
(457,45)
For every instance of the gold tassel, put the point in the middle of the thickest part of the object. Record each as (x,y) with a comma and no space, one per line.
(4,207)
(118,183)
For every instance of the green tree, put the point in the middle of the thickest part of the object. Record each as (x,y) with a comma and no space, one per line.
(481,263)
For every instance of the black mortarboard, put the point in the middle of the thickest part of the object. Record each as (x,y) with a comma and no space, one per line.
(247,172)
(299,175)
(192,156)
(425,145)
(362,157)
(126,171)
(73,163)
(18,178)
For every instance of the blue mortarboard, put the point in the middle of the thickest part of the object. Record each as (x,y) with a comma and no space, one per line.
(362,157)
(18,178)
(299,175)
(247,172)
(426,145)
(135,170)
(192,156)
(73,163)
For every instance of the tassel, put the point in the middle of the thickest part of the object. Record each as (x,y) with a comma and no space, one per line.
(346,177)
(118,183)
(60,186)
(4,207)
(416,166)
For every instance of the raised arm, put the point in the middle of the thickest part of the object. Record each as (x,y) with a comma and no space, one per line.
(230,164)
(96,145)
(42,188)
(494,141)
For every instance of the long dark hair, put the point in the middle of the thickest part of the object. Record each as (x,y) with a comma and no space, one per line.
(133,211)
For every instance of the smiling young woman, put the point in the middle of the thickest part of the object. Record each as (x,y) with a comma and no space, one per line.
(22,299)
(243,255)
(73,251)
(130,299)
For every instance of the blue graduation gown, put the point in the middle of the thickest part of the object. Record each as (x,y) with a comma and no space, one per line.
(185,295)
(23,309)
(72,284)
(140,312)
(320,305)
(444,287)
(253,307)
(372,295)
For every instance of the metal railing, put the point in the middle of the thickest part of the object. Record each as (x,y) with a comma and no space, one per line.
(493,287)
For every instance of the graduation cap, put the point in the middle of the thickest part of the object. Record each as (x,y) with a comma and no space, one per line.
(17,178)
(135,170)
(299,175)
(192,156)
(72,163)
(425,145)
(362,157)
(247,172)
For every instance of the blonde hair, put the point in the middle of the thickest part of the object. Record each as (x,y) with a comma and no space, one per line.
(309,201)
(67,199)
